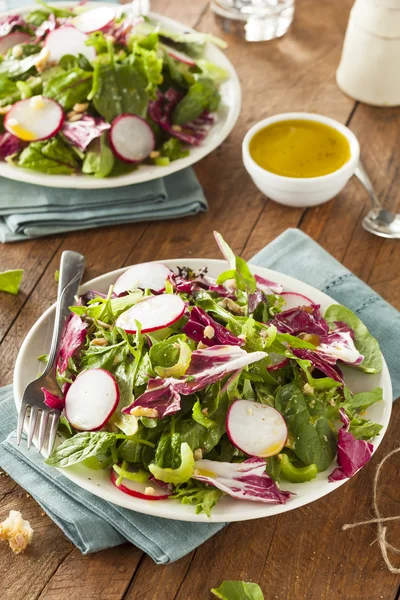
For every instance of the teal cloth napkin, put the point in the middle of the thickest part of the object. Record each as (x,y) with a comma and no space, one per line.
(29,211)
(93,524)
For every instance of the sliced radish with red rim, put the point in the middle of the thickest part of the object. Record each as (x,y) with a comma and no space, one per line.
(256,429)
(91,400)
(180,56)
(153,313)
(96,19)
(131,138)
(293,300)
(150,276)
(13,39)
(68,40)
(277,361)
(34,119)
(138,489)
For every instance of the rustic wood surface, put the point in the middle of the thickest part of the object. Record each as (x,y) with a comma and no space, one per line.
(300,554)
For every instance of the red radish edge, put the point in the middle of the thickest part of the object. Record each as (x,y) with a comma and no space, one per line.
(52,134)
(129,492)
(126,275)
(21,37)
(102,28)
(150,329)
(179,56)
(236,445)
(113,145)
(113,408)
(303,300)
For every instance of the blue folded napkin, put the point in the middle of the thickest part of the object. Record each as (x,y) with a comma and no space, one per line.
(28,211)
(93,524)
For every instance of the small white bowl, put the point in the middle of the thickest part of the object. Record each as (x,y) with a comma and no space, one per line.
(301,191)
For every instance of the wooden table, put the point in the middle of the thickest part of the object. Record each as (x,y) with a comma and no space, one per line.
(304,553)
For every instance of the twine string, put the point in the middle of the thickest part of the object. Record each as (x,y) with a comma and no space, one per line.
(384,545)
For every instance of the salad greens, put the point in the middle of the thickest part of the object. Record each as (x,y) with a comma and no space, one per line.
(10,281)
(172,429)
(238,590)
(130,66)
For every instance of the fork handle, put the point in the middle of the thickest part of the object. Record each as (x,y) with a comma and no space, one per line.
(71,270)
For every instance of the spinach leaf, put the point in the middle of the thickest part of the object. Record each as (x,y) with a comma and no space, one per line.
(53,157)
(365,343)
(315,442)
(99,159)
(133,451)
(10,281)
(69,87)
(16,69)
(168,453)
(238,590)
(81,446)
(202,95)
(195,492)
(117,89)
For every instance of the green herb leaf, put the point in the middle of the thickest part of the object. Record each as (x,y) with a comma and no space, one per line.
(195,492)
(10,281)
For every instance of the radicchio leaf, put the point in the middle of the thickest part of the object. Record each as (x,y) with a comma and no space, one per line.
(318,360)
(183,284)
(72,339)
(339,345)
(197,324)
(8,24)
(302,319)
(160,111)
(81,133)
(53,401)
(9,145)
(247,480)
(267,286)
(44,28)
(206,367)
(352,454)
(255,299)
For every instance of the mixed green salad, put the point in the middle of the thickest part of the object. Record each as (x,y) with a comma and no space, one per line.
(98,91)
(190,387)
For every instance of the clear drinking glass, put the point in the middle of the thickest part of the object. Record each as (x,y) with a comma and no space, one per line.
(257,20)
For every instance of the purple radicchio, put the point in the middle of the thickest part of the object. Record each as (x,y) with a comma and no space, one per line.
(254,299)
(44,28)
(183,284)
(196,329)
(267,286)
(53,401)
(339,345)
(352,454)
(72,339)
(160,111)
(247,480)
(9,145)
(81,133)
(302,319)
(206,367)
(319,362)
(8,24)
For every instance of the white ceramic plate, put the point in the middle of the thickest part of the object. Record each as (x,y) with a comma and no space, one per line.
(227,116)
(38,340)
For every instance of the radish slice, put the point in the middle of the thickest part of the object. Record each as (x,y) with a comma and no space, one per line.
(293,300)
(94,20)
(137,489)
(12,39)
(68,40)
(278,361)
(34,119)
(131,138)
(150,276)
(180,56)
(256,429)
(155,313)
(91,400)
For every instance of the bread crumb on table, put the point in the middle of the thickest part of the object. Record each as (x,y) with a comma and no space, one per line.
(16,531)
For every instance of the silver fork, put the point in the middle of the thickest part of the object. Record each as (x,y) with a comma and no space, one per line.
(71,271)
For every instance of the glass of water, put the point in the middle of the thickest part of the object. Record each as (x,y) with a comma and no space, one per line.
(257,20)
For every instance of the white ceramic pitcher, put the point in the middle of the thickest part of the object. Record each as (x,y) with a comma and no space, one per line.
(369,69)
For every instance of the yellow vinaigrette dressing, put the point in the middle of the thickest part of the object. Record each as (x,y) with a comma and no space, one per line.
(299,148)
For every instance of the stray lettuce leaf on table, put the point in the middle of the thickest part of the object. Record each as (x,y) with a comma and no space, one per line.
(238,590)
(10,281)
